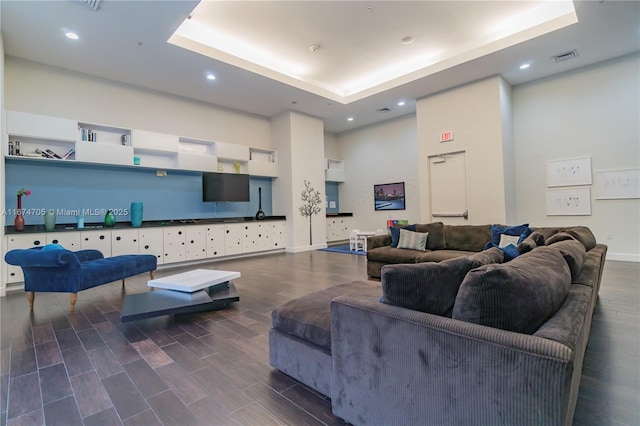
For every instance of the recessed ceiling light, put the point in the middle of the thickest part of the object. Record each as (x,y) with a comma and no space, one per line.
(71,35)
(524,66)
(350,119)
(211,76)
(401,103)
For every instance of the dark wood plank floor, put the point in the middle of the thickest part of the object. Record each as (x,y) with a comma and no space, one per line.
(212,368)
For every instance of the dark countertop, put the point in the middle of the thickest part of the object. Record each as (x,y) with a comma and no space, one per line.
(63,227)
(339,214)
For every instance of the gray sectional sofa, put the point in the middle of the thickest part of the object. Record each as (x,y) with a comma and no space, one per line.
(467,340)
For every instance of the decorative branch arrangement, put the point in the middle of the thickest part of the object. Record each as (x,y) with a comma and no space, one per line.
(310,205)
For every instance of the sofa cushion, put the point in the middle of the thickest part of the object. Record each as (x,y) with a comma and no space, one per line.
(519,295)
(309,317)
(412,240)
(573,253)
(430,287)
(467,237)
(395,233)
(584,235)
(557,237)
(534,240)
(436,234)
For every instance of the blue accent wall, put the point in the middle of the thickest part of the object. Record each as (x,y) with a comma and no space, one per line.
(331,189)
(68,188)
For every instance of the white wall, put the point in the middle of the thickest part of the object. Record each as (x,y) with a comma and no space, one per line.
(380,153)
(592,112)
(4,143)
(41,89)
(331,146)
(474,112)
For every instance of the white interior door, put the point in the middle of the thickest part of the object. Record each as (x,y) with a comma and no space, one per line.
(448,188)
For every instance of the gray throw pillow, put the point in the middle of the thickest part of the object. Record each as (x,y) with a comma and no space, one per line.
(574,254)
(519,295)
(431,287)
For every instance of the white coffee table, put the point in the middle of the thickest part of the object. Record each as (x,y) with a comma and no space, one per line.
(187,292)
(195,280)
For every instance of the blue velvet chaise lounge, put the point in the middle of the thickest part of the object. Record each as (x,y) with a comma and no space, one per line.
(55,269)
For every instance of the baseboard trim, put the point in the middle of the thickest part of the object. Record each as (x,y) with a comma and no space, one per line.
(624,257)
(300,249)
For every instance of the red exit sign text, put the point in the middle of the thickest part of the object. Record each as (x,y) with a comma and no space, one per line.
(446,136)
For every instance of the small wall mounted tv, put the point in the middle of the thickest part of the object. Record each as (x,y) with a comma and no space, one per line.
(225,187)
(389,196)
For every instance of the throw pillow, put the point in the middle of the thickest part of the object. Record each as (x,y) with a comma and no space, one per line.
(395,233)
(507,239)
(517,296)
(412,240)
(52,247)
(430,287)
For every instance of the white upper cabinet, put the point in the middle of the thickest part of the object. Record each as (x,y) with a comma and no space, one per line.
(22,124)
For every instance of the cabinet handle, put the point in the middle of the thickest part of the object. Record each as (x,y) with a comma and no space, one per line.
(55,241)
(179,232)
(135,240)
(13,274)
(36,243)
(102,237)
(117,238)
(146,247)
(191,241)
(86,238)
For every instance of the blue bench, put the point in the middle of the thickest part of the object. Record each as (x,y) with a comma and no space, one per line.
(52,268)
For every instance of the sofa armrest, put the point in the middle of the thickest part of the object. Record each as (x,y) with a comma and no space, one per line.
(378,241)
(36,258)
(87,255)
(436,370)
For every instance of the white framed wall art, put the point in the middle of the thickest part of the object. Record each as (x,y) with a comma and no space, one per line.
(569,202)
(570,172)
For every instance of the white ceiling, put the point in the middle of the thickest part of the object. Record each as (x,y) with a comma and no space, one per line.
(265,66)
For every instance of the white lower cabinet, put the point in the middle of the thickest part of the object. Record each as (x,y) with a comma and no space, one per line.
(124,241)
(339,228)
(96,240)
(277,235)
(174,238)
(232,238)
(68,240)
(256,236)
(196,242)
(21,241)
(150,241)
(169,244)
(215,240)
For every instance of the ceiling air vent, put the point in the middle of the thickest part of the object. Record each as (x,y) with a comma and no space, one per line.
(565,56)
(384,109)
(93,4)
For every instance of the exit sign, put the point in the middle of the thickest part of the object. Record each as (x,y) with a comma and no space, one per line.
(446,136)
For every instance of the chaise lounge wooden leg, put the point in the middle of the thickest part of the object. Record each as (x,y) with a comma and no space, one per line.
(74,299)
(123,283)
(31,296)
(152,274)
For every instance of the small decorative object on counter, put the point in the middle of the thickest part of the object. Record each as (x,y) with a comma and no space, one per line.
(237,165)
(260,213)
(50,220)
(18,222)
(109,219)
(136,214)
(80,220)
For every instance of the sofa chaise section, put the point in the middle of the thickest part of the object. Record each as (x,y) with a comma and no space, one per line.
(300,337)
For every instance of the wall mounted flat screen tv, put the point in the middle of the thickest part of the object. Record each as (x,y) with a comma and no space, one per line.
(225,187)
(389,196)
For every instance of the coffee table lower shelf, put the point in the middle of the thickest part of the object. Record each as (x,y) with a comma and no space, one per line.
(166,302)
